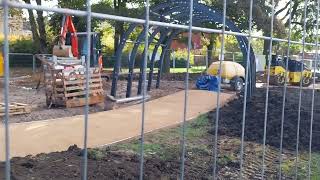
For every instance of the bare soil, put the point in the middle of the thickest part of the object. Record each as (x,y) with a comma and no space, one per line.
(162,148)
(23,90)
(231,118)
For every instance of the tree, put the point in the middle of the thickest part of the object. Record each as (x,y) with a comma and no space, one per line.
(38,28)
(42,30)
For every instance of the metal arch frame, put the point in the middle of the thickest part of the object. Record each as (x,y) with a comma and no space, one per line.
(162,37)
(125,36)
(161,41)
(172,35)
(134,53)
(123,39)
(138,42)
(212,15)
(153,57)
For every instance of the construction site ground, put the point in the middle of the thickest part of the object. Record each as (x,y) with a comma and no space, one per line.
(162,147)
(23,90)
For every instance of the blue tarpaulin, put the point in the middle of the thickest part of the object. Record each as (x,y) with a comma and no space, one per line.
(208,82)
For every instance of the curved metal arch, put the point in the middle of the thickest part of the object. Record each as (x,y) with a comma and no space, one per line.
(132,57)
(240,39)
(216,16)
(151,66)
(122,43)
(134,54)
(153,57)
(212,16)
(168,43)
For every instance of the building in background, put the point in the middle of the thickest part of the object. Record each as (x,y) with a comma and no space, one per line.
(17,25)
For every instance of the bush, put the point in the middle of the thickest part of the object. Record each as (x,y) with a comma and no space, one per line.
(109,61)
(18,44)
(23,45)
(180,63)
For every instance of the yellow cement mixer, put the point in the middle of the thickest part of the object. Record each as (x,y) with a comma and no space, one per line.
(231,73)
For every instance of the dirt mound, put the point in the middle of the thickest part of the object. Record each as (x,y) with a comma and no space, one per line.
(102,164)
(231,118)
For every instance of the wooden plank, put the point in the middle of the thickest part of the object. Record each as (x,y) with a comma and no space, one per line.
(82,87)
(78,102)
(81,81)
(13,105)
(15,108)
(81,93)
(21,104)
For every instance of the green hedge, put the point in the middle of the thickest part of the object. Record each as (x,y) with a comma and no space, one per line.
(108,62)
(23,46)
(180,63)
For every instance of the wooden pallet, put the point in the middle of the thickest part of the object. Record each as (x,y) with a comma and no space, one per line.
(68,87)
(70,91)
(74,91)
(15,109)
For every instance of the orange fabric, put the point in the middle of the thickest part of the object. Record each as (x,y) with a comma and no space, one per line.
(100,62)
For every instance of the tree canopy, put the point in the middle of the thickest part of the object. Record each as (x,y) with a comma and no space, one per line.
(237,11)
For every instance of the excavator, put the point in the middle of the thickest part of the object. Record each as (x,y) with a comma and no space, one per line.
(296,72)
(73,44)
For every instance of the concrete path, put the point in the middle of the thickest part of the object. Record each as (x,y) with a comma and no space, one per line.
(36,137)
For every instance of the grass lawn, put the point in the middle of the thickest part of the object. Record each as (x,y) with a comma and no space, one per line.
(166,143)
(289,166)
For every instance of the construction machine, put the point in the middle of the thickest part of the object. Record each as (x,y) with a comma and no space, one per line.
(232,73)
(63,50)
(278,71)
(73,44)
(296,72)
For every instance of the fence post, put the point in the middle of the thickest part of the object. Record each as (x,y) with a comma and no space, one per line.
(33,64)
(233,58)
(207,59)
(174,60)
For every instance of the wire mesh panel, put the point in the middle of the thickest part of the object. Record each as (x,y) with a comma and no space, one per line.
(269,128)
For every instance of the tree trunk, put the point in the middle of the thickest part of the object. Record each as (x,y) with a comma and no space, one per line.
(42,31)
(266,46)
(119,29)
(166,61)
(117,35)
(210,49)
(34,27)
(266,43)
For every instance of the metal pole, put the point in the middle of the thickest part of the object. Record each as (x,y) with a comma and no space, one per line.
(267,93)
(215,146)
(33,64)
(300,92)
(313,90)
(6,87)
(86,110)
(174,60)
(286,75)
(245,91)
(144,87)
(233,56)
(207,59)
(183,128)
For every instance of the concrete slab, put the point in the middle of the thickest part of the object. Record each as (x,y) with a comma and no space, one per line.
(36,137)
